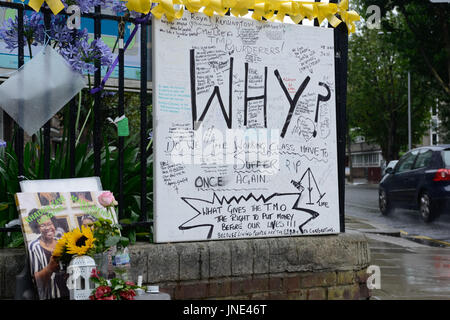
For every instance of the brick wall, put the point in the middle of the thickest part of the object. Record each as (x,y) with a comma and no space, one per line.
(299,286)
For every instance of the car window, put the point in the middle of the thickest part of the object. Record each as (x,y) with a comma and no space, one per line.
(423,159)
(406,162)
(446,155)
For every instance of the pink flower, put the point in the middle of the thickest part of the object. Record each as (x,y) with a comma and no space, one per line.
(129,283)
(106,199)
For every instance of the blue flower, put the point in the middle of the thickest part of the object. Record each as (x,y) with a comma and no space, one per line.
(118,7)
(33,31)
(74,45)
(2,144)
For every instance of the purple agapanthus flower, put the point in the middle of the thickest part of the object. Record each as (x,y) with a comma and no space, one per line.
(33,33)
(86,5)
(2,144)
(82,54)
(75,46)
(59,31)
(118,7)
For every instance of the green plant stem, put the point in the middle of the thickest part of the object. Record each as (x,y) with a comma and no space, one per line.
(30,50)
(77,121)
(82,128)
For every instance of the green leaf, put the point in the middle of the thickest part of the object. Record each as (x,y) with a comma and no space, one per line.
(112,241)
(124,241)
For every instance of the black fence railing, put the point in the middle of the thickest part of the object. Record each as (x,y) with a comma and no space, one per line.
(98,109)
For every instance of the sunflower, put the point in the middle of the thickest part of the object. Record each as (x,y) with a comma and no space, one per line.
(60,246)
(80,241)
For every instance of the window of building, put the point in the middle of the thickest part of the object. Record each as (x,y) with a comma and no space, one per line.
(366,160)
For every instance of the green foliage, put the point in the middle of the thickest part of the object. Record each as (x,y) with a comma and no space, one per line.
(419,32)
(377,94)
(84,167)
(107,235)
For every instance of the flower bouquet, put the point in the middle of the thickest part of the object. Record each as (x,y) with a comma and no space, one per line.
(75,242)
(94,238)
(100,239)
(113,289)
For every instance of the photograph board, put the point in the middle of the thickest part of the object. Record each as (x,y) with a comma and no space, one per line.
(45,217)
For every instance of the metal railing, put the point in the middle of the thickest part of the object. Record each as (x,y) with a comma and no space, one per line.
(98,111)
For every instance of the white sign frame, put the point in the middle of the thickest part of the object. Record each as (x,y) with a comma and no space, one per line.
(176,222)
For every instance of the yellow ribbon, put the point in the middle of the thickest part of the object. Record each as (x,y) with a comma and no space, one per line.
(349,17)
(239,8)
(166,7)
(326,11)
(296,16)
(142,6)
(55,5)
(283,8)
(263,8)
(215,6)
(194,5)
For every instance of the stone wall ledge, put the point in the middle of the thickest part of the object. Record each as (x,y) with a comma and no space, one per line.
(244,257)
(211,261)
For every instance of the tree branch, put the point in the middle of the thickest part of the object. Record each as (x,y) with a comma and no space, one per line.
(413,29)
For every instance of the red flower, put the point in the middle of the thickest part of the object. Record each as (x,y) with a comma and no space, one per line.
(95,273)
(107,298)
(102,291)
(129,283)
(128,295)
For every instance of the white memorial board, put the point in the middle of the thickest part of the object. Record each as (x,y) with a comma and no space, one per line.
(244,129)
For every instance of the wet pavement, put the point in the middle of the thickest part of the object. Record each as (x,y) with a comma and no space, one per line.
(409,270)
(362,201)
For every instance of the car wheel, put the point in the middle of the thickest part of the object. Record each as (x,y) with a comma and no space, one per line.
(384,203)
(427,210)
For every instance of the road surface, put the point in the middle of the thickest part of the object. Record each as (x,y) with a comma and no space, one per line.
(361,201)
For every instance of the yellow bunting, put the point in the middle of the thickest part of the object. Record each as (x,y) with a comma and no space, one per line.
(166,7)
(349,17)
(55,5)
(194,5)
(263,8)
(324,11)
(239,8)
(296,16)
(283,7)
(215,6)
(296,10)
(308,10)
(142,6)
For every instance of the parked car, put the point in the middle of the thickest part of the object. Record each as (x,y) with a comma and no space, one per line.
(391,164)
(420,180)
